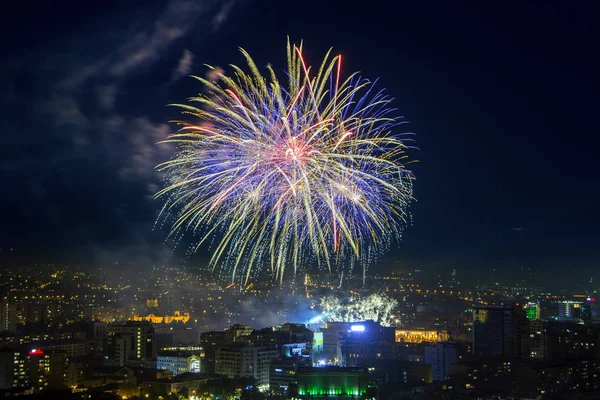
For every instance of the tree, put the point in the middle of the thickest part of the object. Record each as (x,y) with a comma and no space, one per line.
(184,393)
(252,393)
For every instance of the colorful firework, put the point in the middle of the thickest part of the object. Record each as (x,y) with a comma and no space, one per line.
(298,176)
(376,307)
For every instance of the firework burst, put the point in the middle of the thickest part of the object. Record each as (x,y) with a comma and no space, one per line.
(376,307)
(306,174)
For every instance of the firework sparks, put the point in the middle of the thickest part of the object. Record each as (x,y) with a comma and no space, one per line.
(376,307)
(307,174)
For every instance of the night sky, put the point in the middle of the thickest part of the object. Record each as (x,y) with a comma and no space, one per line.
(503,99)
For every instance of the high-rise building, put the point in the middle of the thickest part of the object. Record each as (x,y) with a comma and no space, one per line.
(98,330)
(532,311)
(8,317)
(533,340)
(440,356)
(353,344)
(13,369)
(575,310)
(130,341)
(210,342)
(493,330)
(47,369)
(565,310)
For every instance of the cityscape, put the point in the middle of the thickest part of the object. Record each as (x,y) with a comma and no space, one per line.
(171,334)
(299,200)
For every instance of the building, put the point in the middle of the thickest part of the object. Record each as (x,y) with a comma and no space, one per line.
(130,341)
(533,340)
(210,342)
(13,369)
(291,340)
(75,372)
(71,348)
(441,356)
(179,362)
(533,311)
(246,361)
(572,341)
(283,372)
(156,316)
(565,310)
(238,332)
(493,330)
(420,336)
(582,312)
(354,344)
(317,343)
(317,383)
(367,341)
(97,330)
(8,317)
(287,337)
(528,379)
(296,350)
(47,369)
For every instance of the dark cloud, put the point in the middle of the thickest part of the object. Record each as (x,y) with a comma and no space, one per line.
(184,66)
(80,162)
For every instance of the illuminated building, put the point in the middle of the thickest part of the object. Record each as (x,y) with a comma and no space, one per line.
(493,330)
(317,383)
(47,369)
(565,310)
(178,362)
(293,339)
(295,350)
(71,348)
(130,341)
(75,372)
(420,336)
(13,369)
(531,379)
(580,311)
(572,341)
(317,342)
(351,344)
(533,340)
(154,315)
(238,332)
(440,356)
(8,317)
(532,311)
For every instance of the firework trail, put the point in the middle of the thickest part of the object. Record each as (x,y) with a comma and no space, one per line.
(308,174)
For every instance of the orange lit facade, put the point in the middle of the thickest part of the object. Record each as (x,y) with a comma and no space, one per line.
(154,315)
(177,316)
(420,336)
